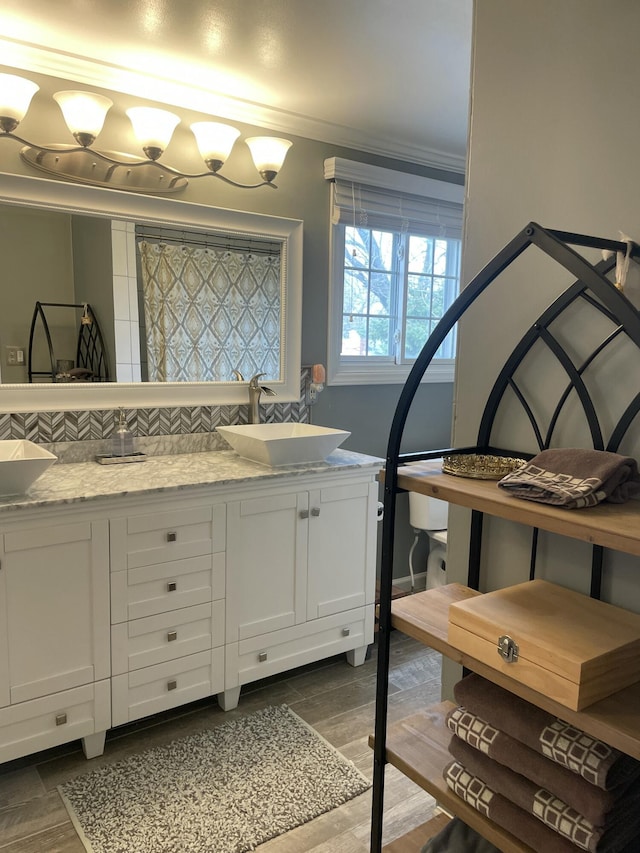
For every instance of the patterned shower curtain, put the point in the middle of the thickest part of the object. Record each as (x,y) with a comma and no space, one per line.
(209,312)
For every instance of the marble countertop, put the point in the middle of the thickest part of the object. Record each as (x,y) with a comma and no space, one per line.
(85,481)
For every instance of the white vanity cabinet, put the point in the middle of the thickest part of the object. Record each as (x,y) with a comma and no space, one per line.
(54,634)
(178,580)
(300,577)
(167,607)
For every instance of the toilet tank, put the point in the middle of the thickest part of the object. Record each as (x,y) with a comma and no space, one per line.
(427,513)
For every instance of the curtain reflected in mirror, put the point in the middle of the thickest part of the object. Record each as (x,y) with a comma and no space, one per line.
(209,310)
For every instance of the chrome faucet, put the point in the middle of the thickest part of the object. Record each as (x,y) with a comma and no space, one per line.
(255,390)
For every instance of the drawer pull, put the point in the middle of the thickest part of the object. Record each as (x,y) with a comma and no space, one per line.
(171,537)
(171,685)
(304,513)
(346,632)
(262,657)
(172,586)
(315,511)
(508,649)
(171,636)
(61,719)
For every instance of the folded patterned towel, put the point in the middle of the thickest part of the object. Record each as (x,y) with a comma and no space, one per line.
(575,478)
(497,808)
(591,802)
(623,822)
(594,760)
(521,823)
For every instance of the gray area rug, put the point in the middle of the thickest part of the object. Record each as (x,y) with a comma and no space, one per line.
(223,790)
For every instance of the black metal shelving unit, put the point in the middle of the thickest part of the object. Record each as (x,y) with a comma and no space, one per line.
(90,348)
(592,288)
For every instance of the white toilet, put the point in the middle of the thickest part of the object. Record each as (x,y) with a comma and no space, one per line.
(430,515)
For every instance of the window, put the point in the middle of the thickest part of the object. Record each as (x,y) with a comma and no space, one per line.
(395,271)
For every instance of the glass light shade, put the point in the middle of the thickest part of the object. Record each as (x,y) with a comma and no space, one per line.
(268,154)
(84,113)
(215,141)
(15,97)
(153,128)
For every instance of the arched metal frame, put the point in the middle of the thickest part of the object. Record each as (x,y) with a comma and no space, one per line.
(90,347)
(591,285)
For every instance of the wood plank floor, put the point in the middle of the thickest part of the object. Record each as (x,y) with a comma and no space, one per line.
(336,699)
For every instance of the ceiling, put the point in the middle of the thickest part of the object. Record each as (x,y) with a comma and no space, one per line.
(386,76)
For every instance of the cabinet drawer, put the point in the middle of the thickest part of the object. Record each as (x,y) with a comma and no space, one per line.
(176,534)
(167,636)
(259,657)
(59,718)
(168,586)
(157,688)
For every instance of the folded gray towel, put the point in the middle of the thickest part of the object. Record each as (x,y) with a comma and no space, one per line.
(574,478)
(530,827)
(500,810)
(594,803)
(595,761)
(620,827)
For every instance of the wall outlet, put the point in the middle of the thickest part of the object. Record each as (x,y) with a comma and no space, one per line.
(14,356)
(312,391)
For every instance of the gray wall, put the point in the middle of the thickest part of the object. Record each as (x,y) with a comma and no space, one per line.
(553,138)
(36,266)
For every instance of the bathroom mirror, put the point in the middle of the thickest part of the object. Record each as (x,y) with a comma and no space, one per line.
(163,220)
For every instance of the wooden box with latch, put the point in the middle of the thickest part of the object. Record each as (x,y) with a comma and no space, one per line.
(565,645)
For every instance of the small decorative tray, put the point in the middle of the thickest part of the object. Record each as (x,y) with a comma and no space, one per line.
(108,459)
(480,466)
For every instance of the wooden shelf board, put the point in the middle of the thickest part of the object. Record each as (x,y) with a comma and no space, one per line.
(418,747)
(415,840)
(615,526)
(424,616)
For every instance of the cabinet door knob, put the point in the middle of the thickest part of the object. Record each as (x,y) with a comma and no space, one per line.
(304,513)
(346,632)
(315,511)
(171,685)
(172,586)
(171,636)
(61,719)
(262,657)
(171,537)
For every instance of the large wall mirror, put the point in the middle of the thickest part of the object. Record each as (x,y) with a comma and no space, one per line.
(189,300)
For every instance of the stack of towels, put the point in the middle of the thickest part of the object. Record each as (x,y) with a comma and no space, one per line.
(549,784)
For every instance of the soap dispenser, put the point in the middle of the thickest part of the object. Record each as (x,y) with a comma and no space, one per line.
(122,439)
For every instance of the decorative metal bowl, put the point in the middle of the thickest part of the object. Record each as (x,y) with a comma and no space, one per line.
(480,466)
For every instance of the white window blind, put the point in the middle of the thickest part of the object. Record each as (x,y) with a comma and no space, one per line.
(373,197)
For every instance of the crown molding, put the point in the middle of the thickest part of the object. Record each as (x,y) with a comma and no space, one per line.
(37,59)
(339,169)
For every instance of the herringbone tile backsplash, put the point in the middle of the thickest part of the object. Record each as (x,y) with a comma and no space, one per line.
(83,425)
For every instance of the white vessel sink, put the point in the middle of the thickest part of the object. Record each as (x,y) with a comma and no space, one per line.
(21,463)
(283,444)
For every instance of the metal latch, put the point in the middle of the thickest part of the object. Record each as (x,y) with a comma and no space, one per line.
(508,649)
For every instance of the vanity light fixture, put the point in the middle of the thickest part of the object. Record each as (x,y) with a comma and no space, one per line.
(85,113)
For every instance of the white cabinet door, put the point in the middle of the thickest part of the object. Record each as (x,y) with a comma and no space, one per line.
(266,564)
(300,556)
(54,616)
(342,548)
